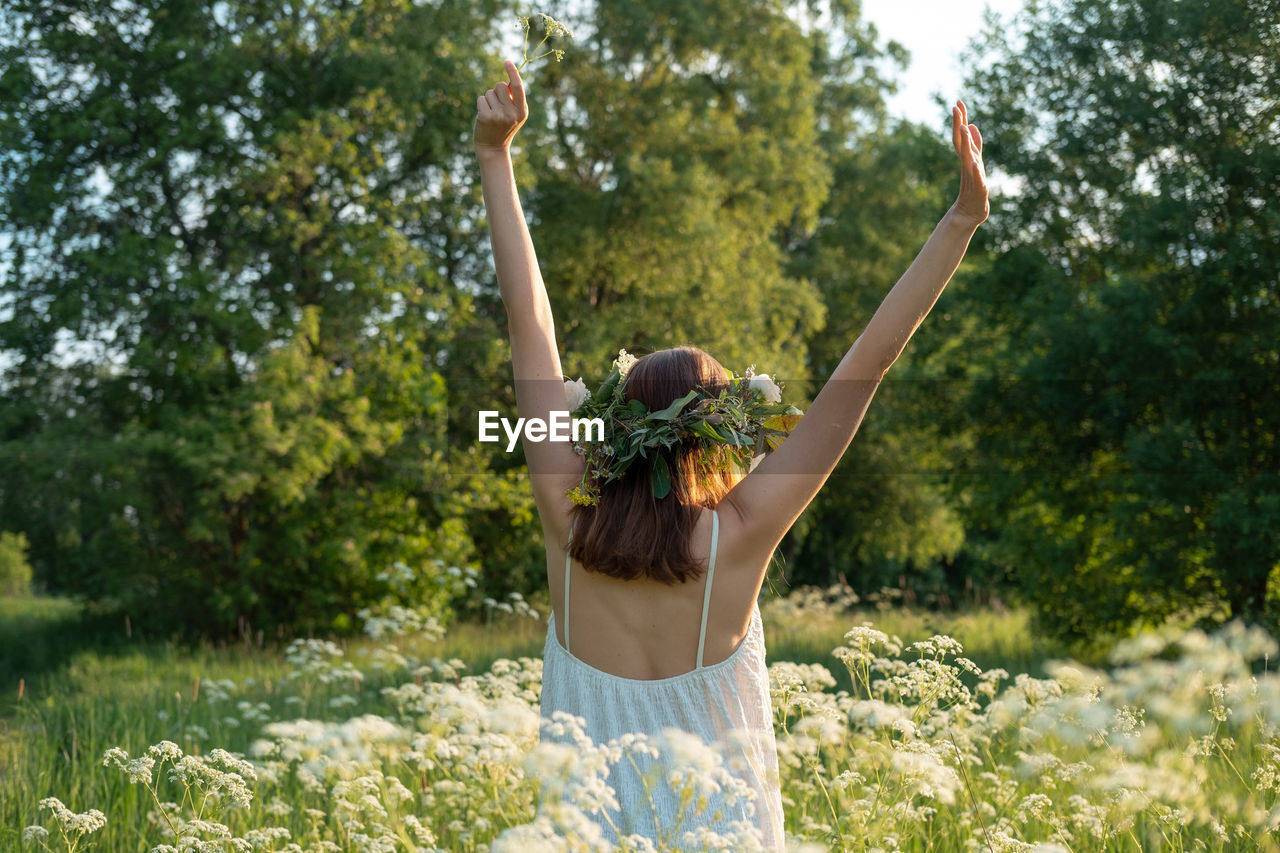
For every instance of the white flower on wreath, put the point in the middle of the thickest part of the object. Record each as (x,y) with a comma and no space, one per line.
(762,383)
(575,393)
(623,362)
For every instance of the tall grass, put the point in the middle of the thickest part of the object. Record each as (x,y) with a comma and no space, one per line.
(883,745)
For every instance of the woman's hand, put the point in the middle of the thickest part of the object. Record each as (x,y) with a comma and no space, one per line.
(972,204)
(500,112)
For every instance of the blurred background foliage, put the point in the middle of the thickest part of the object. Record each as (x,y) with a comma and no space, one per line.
(250,316)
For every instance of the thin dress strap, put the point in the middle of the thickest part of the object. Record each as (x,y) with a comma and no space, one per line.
(567,558)
(706,597)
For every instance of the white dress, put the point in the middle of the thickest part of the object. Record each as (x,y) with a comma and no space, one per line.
(712,702)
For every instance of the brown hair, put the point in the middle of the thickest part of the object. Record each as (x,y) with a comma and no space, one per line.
(631,534)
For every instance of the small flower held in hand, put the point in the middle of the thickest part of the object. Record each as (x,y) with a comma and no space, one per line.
(551,28)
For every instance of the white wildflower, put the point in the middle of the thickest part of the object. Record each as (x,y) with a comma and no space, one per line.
(623,362)
(165,750)
(139,770)
(924,769)
(266,835)
(1034,806)
(73,822)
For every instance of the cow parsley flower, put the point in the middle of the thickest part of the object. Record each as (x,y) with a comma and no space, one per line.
(35,833)
(551,28)
(74,823)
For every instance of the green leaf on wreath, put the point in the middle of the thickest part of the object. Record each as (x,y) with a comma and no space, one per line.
(674,409)
(661,477)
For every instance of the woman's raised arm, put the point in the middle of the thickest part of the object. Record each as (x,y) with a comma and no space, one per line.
(535,359)
(772,496)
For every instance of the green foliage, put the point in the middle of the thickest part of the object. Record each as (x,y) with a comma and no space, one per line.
(1126,457)
(40,635)
(280,275)
(667,153)
(227,208)
(15,571)
(883,518)
(254,317)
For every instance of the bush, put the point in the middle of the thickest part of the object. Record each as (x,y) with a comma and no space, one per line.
(15,571)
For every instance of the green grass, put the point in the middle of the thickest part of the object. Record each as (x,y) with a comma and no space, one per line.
(55,649)
(39,635)
(46,640)
(89,686)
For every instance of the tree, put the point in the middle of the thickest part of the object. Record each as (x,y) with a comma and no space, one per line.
(223,204)
(1129,468)
(259,225)
(665,155)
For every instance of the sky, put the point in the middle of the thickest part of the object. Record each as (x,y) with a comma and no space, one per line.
(934,31)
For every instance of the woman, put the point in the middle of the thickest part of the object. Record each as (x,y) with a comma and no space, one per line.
(654,622)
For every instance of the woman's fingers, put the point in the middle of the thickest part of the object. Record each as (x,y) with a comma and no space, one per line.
(516,86)
(966,137)
(503,101)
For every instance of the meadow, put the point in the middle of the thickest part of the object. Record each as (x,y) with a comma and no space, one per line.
(897,730)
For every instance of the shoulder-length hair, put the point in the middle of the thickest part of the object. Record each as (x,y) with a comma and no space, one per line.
(631,534)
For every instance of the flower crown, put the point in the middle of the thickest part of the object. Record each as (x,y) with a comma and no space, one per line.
(748,418)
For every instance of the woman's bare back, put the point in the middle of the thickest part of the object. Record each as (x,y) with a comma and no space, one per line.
(642,629)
